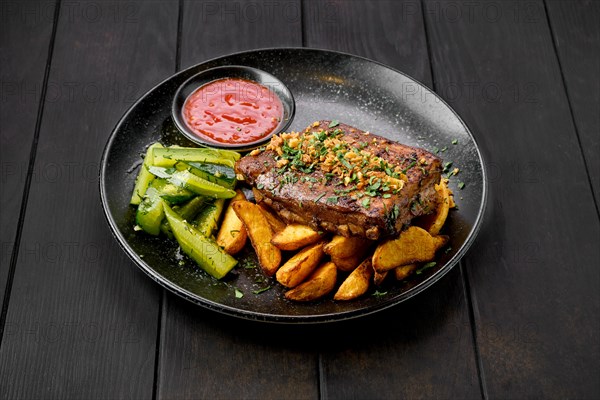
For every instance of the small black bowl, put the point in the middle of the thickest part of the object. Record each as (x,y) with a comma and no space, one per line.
(232,71)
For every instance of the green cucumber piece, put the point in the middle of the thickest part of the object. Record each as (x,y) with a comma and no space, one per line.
(144,177)
(187,212)
(193,183)
(204,251)
(168,157)
(174,194)
(208,219)
(219,174)
(150,212)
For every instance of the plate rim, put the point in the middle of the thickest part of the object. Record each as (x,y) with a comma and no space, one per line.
(277,318)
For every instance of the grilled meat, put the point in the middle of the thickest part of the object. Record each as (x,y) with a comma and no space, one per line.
(337,178)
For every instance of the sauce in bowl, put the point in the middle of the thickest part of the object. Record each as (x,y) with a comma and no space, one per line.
(232,111)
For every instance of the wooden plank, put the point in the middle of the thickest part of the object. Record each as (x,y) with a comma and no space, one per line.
(25,32)
(213,28)
(82,320)
(202,354)
(533,270)
(397,353)
(206,355)
(387,31)
(576,34)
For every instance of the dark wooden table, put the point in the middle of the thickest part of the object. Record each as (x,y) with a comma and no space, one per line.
(517,318)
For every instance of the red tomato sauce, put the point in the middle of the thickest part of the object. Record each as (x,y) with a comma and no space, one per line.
(233,110)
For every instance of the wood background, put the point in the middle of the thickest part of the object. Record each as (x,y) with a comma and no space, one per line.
(517,318)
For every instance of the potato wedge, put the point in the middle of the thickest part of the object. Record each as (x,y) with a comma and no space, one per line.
(318,284)
(433,223)
(297,268)
(344,247)
(404,271)
(258,196)
(232,234)
(413,245)
(276,224)
(260,233)
(349,263)
(295,236)
(440,241)
(379,277)
(357,283)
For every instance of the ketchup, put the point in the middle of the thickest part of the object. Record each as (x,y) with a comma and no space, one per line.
(233,110)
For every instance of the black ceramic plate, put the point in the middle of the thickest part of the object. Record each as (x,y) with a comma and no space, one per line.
(325,85)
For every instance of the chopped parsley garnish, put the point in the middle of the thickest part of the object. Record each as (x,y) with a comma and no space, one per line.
(377,293)
(455,141)
(334,123)
(412,164)
(259,291)
(461,185)
(238,294)
(425,267)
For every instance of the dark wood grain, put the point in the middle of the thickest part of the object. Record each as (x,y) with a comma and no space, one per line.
(82,320)
(25,34)
(397,353)
(387,31)
(215,28)
(576,29)
(533,271)
(202,354)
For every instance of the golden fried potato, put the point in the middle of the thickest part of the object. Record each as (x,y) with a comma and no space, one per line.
(232,234)
(347,264)
(295,236)
(379,277)
(433,223)
(318,284)
(297,268)
(357,283)
(344,247)
(440,241)
(258,196)
(404,271)
(260,233)
(413,245)
(276,224)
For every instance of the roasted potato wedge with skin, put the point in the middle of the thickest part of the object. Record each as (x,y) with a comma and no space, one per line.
(404,271)
(440,241)
(276,224)
(318,284)
(344,247)
(297,268)
(349,263)
(232,234)
(433,223)
(357,283)
(413,245)
(379,277)
(260,233)
(295,236)
(258,196)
